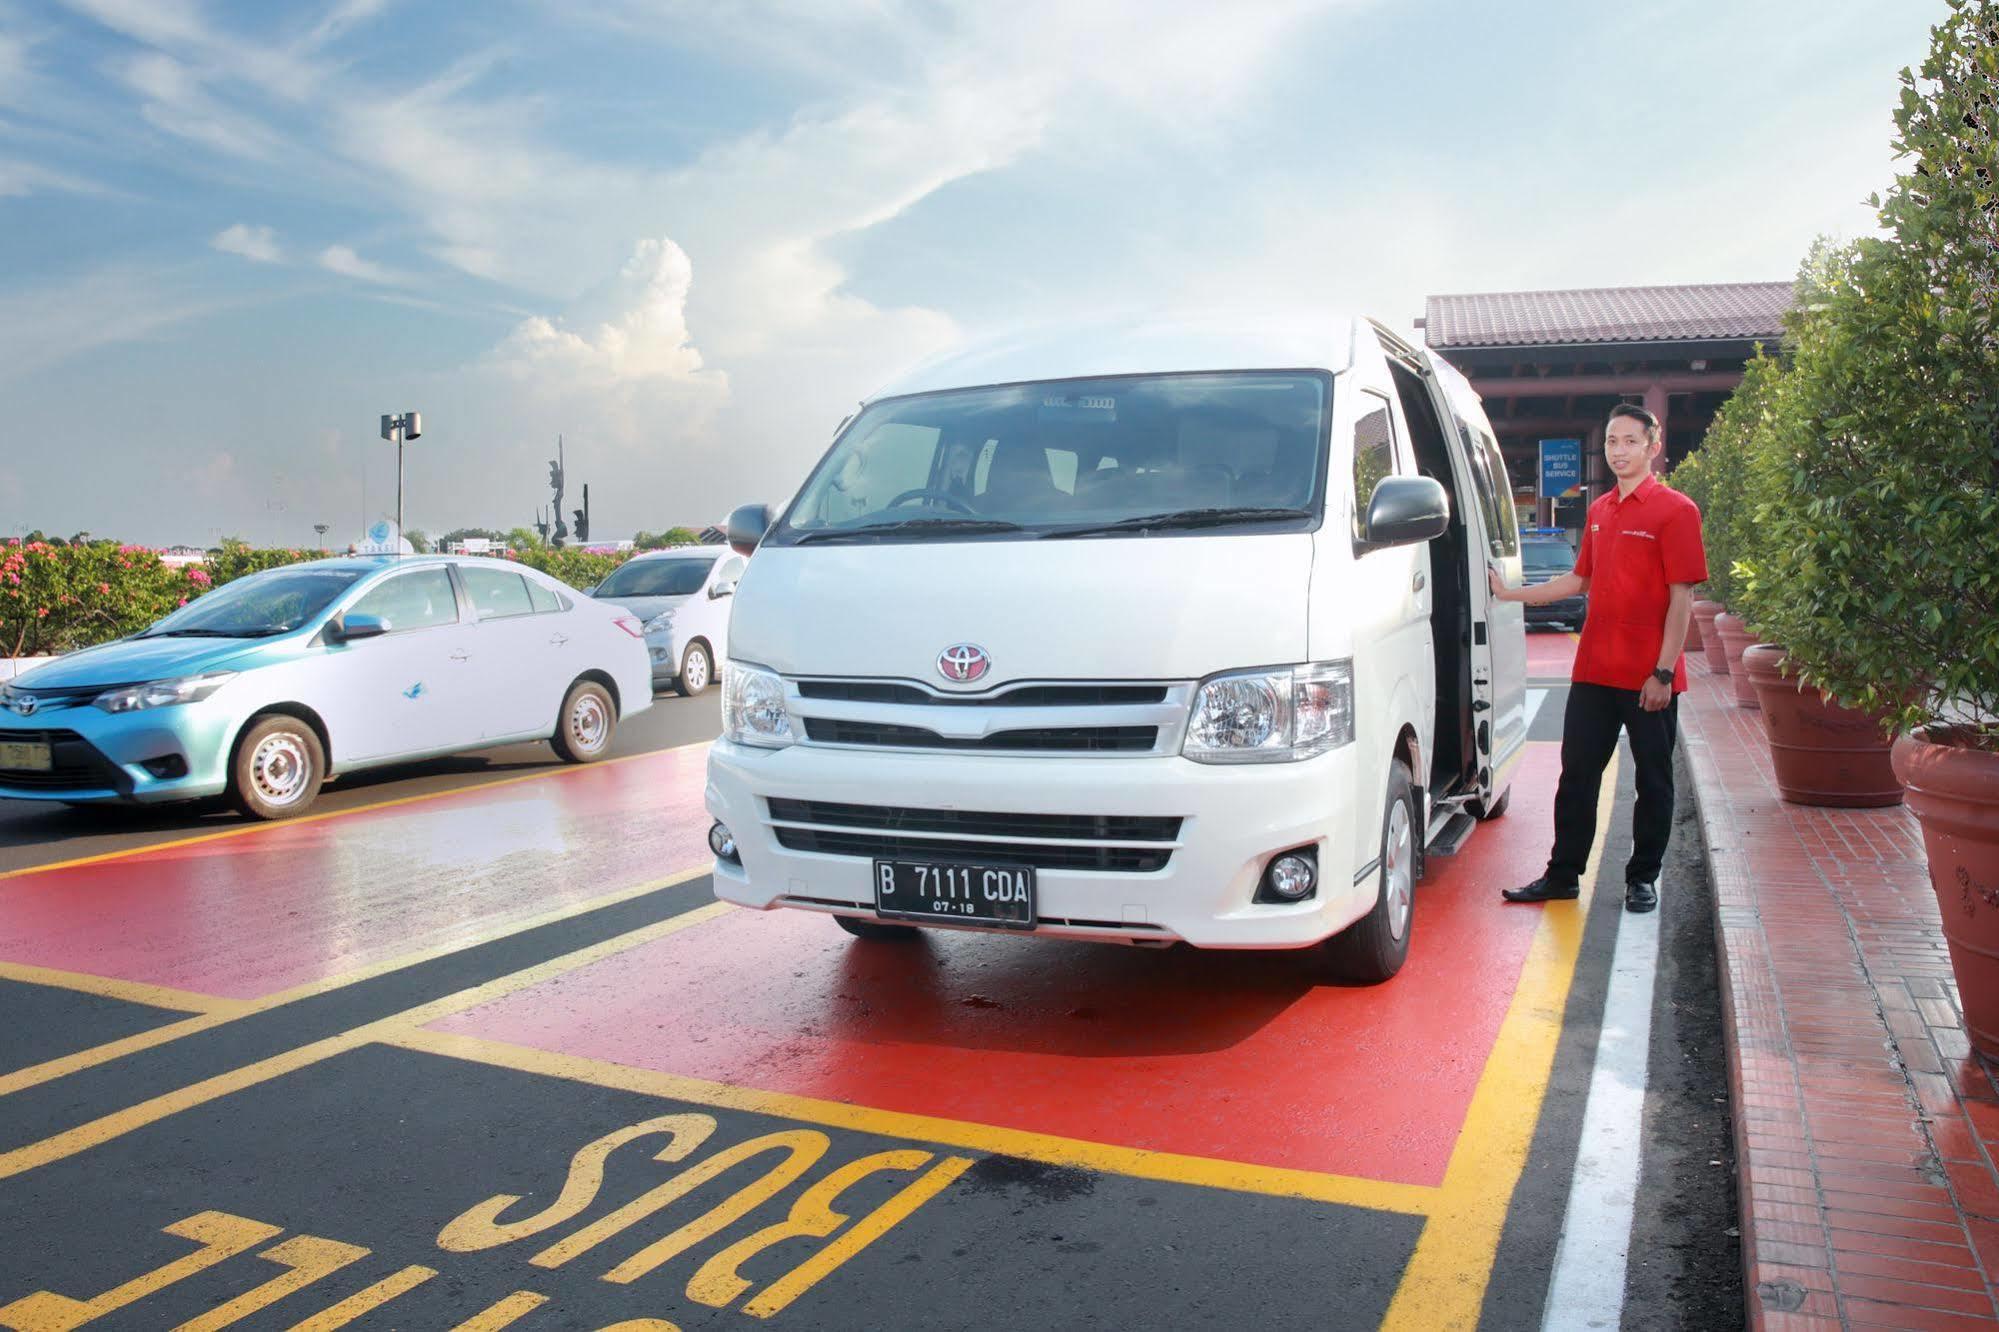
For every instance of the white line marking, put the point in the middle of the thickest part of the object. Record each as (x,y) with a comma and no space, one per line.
(1535,698)
(1587,1288)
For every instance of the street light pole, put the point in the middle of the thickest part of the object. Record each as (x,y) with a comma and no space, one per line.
(399,428)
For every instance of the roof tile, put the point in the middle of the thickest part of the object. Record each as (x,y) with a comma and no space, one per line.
(1722,310)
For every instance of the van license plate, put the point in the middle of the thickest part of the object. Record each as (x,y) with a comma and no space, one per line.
(959,893)
(24,756)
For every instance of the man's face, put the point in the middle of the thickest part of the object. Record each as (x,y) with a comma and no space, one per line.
(1628,448)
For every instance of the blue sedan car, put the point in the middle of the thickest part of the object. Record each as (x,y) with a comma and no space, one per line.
(265,687)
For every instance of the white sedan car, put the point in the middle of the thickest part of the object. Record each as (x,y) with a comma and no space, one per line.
(271,683)
(683,596)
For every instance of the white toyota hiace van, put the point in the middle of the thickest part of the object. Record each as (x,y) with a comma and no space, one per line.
(1148,633)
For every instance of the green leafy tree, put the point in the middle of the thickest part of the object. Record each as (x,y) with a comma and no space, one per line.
(672,536)
(525,538)
(1884,580)
(419,540)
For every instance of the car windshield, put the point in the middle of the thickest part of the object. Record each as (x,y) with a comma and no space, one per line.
(258,605)
(1078,457)
(657,578)
(1547,557)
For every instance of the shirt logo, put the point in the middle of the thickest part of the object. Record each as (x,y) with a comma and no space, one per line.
(1633,531)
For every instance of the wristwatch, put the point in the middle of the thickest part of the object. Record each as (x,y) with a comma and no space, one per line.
(1663,674)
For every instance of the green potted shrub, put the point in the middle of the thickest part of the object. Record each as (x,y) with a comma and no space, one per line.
(1885,546)
(1727,515)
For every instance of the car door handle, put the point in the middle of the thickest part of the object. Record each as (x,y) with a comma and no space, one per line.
(558,639)
(461,655)
(1417,585)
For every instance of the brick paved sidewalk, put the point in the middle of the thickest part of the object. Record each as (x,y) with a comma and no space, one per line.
(1865,1128)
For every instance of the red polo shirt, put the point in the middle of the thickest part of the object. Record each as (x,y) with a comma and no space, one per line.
(1633,547)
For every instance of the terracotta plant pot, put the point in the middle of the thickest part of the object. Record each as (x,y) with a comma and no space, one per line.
(1694,643)
(1735,640)
(1704,613)
(1954,794)
(1823,754)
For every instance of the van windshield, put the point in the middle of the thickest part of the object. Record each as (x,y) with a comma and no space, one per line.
(1075,457)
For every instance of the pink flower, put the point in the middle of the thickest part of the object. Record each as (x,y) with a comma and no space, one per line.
(199,576)
(41,612)
(181,602)
(104,589)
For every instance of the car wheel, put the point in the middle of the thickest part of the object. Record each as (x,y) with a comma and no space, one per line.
(1374,947)
(589,719)
(1482,812)
(879,930)
(697,670)
(278,769)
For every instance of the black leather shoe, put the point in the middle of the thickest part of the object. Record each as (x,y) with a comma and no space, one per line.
(1540,891)
(1641,896)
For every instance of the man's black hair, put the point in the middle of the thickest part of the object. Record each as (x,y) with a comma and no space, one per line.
(1638,414)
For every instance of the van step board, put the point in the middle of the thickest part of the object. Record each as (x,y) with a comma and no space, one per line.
(1449,837)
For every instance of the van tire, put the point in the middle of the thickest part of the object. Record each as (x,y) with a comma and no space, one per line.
(1484,813)
(880,931)
(1371,950)
(586,725)
(697,671)
(277,769)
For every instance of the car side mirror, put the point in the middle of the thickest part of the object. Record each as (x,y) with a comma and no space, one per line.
(1406,510)
(350,627)
(725,588)
(747,526)
(591,590)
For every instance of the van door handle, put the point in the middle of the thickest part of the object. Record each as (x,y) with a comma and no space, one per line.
(558,639)
(1417,586)
(461,655)
(1480,705)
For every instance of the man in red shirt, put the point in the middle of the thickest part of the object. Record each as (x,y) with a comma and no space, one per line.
(1639,560)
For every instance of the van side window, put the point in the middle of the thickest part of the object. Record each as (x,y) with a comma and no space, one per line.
(1493,502)
(892,460)
(1507,532)
(1373,457)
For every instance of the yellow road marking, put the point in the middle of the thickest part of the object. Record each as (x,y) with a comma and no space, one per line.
(219,1011)
(110,987)
(1378,1195)
(250,829)
(104,1129)
(1444,1285)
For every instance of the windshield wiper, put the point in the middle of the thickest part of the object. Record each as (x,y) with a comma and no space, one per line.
(1185,518)
(958,525)
(215,633)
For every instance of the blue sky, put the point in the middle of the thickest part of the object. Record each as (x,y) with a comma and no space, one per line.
(688,236)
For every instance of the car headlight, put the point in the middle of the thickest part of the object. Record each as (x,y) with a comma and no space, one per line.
(163,693)
(660,623)
(1275,716)
(753,710)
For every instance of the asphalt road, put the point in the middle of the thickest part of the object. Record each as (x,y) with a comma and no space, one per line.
(38,833)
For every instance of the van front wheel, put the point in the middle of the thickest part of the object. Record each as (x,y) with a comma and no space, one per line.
(1374,947)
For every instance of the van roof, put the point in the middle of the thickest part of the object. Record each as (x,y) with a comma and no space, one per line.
(1155,344)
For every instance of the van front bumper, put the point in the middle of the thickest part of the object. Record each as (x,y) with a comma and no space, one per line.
(1233,820)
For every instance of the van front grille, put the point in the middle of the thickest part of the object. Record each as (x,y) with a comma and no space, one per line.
(1065,739)
(888,846)
(1027,696)
(890,818)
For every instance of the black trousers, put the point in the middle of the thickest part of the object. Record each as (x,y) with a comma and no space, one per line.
(1595,715)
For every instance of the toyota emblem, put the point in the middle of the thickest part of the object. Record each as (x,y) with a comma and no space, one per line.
(963,663)
(25,704)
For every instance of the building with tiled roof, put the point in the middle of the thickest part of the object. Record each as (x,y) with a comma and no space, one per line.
(1551,364)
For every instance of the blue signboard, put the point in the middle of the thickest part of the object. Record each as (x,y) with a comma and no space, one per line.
(1561,468)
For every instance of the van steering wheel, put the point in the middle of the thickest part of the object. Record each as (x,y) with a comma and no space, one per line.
(925,493)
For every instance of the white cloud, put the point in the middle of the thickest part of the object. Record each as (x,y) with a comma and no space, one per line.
(120,303)
(346,15)
(646,339)
(175,99)
(19,179)
(342,260)
(259,244)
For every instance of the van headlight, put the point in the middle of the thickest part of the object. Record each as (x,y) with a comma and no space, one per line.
(163,693)
(1272,716)
(753,710)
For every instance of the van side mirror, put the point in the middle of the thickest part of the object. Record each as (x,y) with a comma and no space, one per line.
(725,588)
(1405,510)
(747,526)
(348,628)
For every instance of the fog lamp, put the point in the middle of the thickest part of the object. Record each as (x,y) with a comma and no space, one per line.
(1291,877)
(723,843)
